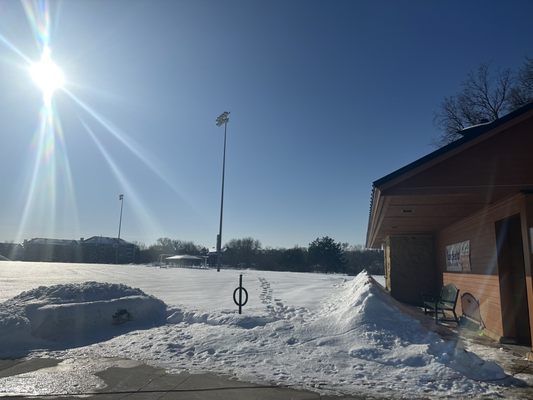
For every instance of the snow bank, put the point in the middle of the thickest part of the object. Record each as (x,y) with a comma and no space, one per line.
(372,326)
(75,313)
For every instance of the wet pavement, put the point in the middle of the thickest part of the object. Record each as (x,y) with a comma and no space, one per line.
(126,379)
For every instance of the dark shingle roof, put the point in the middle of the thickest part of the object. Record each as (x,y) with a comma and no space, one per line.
(103,240)
(469,134)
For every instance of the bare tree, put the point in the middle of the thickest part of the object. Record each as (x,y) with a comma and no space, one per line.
(176,246)
(522,93)
(484,97)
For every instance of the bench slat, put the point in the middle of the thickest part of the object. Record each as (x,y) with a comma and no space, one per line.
(445,302)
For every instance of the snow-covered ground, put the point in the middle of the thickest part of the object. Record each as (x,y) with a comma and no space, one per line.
(330,333)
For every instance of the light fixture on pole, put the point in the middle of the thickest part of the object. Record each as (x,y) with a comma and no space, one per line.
(121,199)
(222,120)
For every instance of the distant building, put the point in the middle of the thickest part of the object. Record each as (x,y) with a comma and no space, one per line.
(212,257)
(96,249)
(11,251)
(106,250)
(186,260)
(52,250)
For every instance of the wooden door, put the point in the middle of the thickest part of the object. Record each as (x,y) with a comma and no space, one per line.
(511,271)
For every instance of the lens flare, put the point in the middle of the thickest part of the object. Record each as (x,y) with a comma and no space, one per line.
(49,203)
(140,210)
(47,75)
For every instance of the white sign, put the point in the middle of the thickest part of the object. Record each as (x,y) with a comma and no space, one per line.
(458,256)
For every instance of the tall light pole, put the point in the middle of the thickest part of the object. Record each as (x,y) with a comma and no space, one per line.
(222,120)
(121,199)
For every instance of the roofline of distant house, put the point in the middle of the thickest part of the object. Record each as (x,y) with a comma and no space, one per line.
(470,134)
(82,240)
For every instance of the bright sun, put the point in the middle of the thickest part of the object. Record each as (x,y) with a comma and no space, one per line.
(47,75)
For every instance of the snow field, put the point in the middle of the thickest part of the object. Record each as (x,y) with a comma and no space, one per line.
(330,333)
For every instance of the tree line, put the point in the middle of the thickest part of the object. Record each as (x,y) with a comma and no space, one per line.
(322,255)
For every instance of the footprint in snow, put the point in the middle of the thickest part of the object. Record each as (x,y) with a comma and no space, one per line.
(292,341)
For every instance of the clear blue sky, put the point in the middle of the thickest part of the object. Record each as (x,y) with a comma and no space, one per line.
(325,97)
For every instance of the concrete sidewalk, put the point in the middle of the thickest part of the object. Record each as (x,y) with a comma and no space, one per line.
(146,382)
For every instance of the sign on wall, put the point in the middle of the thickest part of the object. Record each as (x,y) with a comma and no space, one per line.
(458,257)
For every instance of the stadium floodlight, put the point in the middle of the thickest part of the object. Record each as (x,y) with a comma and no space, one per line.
(121,199)
(222,119)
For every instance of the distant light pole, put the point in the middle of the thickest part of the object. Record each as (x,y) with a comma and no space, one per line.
(222,120)
(121,199)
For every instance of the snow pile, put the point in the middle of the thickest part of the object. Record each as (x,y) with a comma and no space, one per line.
(374,327)
(75,313)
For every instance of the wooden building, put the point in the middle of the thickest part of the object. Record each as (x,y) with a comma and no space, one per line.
(464,215)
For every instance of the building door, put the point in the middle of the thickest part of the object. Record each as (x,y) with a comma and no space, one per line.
(511,271)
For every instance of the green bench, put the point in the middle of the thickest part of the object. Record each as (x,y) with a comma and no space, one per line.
(446,301)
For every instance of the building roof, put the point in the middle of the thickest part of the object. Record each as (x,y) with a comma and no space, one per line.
(10,244)
(185,257)
(52,242)
(469,134)
(428,195)
(105,241)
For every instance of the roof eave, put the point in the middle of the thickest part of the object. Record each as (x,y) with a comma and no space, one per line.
(481,131)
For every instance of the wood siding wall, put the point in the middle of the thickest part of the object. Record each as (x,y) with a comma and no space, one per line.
(527,223)
(482,281)
(498,162)
(486,289)
(529,289)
